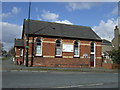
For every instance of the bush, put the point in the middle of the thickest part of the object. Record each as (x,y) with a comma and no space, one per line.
(115,55)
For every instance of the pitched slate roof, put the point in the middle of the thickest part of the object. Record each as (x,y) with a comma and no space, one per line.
(19,42)
(60,30)
(104,42)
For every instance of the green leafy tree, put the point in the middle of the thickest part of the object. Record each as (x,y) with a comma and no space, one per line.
(1,48)
(115,55)
(12,51)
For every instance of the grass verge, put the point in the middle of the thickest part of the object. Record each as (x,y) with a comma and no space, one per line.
(6,58)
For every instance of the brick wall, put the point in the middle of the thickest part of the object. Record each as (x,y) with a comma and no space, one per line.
(111,66)
(98,54)
(67,59)
(18,58)
(84,48)
(60,62)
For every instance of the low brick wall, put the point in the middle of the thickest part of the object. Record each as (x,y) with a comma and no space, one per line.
(111,66)
(116,66)
(60,62)
(63,62)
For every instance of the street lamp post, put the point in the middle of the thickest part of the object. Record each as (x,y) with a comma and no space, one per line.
(27,41)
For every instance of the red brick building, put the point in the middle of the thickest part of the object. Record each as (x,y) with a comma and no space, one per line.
(58,45)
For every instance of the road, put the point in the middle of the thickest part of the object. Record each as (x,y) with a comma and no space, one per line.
(54,79)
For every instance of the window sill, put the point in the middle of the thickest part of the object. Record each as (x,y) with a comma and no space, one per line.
(92,53)
(58,56)
(38,55)
(76,56)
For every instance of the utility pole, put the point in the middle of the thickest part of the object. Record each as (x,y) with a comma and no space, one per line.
(27,41)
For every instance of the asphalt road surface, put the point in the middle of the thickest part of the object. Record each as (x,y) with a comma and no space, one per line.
(24,79)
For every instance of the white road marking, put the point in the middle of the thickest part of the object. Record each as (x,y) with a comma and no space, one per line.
(14,71)
(43,71)
(115,73)
(24,71)
(95,84)
(81,85)
(38,71)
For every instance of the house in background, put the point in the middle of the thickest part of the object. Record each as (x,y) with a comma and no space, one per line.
(59,45)
(116,39)
(114,45)
(106,50)
(19,47)
(108,46)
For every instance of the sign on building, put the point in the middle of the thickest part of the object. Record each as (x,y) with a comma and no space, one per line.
(85,55)
(67,48)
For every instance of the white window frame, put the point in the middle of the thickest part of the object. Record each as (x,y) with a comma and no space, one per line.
(94,48)
(78,49)
(21,52)
(41,48)
(60,47)
(94,53)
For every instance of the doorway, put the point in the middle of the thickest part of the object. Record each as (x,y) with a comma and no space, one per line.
(92,60)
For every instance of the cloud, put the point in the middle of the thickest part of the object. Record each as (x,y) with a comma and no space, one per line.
(47,15)
(119,21)
(9,33)
(80,5)
(7,46)
(38,18)
(36,9)
(5,15)
(64,22)
(106,29)
(115,11)
(14,11)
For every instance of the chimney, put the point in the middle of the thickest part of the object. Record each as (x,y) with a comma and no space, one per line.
(116,32)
